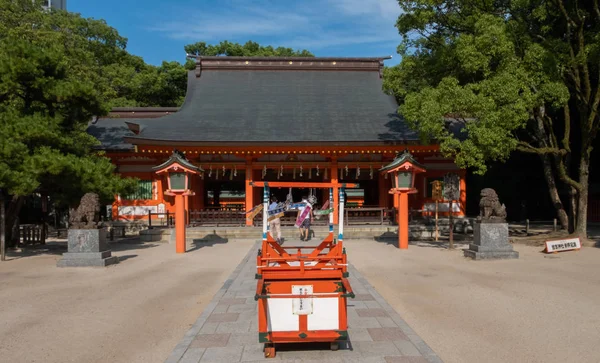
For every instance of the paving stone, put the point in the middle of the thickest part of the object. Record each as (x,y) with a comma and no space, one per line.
(208,328)
(360,359)
(250,300)
(246,294)
(223,318)
(364,323)
(242,308)
(371,313)
(221,308)
(192,355)
(254,352)
(243,339)
(356,304)
(375,348)
(359,335)
(232,301)
(210,340)
(372,305)
(387,322)
(397,359)
(234,327)
(387,334)
(225,355)
(363,297)
(407,348)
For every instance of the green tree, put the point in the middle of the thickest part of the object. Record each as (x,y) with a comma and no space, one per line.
(519,75)
(51,85)
(249,49)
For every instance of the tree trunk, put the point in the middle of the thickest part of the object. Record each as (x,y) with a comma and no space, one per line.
(582,205)
(572,209)
(553,192)
(14,208)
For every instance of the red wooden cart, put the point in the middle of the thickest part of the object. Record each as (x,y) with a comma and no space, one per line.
(302,290)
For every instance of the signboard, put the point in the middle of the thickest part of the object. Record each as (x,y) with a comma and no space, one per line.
(563,245)
(161,210)
(302,306)
(437,188)
(451,186)
(136,210)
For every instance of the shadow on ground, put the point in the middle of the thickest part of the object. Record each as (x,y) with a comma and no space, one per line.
(207,241)
(57,248)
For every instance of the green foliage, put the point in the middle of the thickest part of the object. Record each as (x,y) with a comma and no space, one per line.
(51,85)
(250,49)
(498,67)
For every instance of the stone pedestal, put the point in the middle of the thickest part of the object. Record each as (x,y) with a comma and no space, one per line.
(87,247)
(491,242)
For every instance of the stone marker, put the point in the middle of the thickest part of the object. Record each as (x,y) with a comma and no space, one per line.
(491,230)
(87,243)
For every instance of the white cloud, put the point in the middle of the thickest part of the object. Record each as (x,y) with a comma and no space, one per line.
(310,24)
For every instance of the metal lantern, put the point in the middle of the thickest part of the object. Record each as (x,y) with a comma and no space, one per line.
(403,170)
(179,171)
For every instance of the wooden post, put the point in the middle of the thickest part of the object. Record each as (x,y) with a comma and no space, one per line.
(436,221)
(2,228)
(249,191)
(527,227)
(334,179)
(451,244)
(555,226)
(179,223)
(403,221)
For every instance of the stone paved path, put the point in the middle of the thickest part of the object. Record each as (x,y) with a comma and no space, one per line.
(227,330)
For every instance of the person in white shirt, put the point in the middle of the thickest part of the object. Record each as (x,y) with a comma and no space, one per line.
(275,224)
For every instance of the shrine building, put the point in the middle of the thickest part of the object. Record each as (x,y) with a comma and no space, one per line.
(272,119)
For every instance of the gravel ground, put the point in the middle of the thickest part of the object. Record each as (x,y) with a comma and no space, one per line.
(135,311)
(539,308)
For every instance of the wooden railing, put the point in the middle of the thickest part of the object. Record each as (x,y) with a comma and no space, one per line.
(212,216)
(32,234)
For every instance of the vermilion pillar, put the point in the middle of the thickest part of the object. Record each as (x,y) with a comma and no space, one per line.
(179,223)
(403,220)
(249,190)
(334,180)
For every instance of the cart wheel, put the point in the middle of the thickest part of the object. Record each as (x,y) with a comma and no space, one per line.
(269,351)
(335,346)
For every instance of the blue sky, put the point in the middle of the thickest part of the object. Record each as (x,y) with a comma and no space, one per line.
(157,30)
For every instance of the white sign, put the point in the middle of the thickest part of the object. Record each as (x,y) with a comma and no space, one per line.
(563,245)
(136,210)
(302,306)
(161,210)
(442,207)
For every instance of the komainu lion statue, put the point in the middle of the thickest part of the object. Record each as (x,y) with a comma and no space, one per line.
(490,207)
(86,215)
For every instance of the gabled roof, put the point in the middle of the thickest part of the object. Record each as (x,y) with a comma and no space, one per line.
(177,158)
(405,157)
(281,100)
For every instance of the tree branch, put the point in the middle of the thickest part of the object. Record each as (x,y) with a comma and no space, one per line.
(528,148)
(564,176)
(567,135)
(597,10)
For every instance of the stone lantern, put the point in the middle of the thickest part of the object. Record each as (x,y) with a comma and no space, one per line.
(403,171)
(179,172)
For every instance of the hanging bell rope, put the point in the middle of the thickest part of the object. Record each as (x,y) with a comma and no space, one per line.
(217,175)
(235,170)
(310,173)
(281,171)
(346,168)
(301,171)
(210,172)
(231,175)
(326,173)
(317,170)
(264,171)
(294,175)
(357,172)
